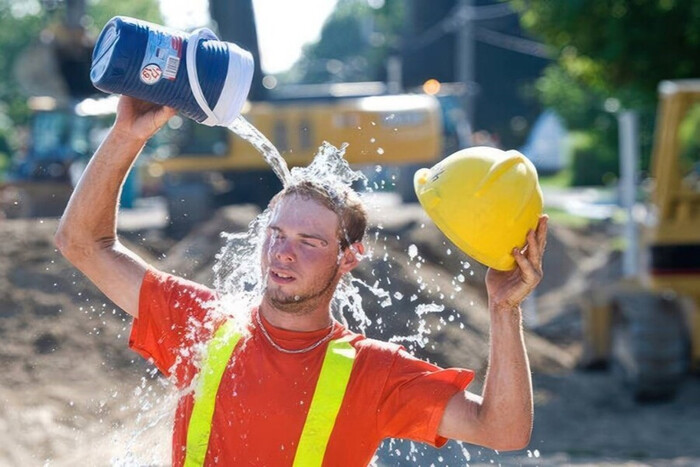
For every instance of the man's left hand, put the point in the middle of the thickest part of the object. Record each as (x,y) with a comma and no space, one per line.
(507,289)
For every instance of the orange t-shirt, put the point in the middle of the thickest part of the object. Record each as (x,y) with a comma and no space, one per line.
(264,394)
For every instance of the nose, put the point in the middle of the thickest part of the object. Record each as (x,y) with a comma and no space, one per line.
(283,251)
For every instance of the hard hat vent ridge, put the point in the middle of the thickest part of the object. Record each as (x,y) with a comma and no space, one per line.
(484,200)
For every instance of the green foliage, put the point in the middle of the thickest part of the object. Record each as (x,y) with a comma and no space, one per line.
(19,27)
(622,47)
(577,103)
(4,165)
(26,22)
(612,55)
(594,158)
(101,11)
(354,44)
(560,179)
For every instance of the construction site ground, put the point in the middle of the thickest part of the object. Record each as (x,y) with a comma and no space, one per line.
(72,393)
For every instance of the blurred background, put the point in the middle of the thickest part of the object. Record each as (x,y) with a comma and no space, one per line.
(603,96)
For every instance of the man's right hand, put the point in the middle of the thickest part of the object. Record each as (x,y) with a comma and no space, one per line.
(140,119)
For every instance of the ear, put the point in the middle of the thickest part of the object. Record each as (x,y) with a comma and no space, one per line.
(352,257)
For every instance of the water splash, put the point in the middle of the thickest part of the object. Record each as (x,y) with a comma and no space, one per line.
(237,269)
(238,277)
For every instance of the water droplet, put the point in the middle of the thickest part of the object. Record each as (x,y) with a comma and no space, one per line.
(412,251)
(380,151)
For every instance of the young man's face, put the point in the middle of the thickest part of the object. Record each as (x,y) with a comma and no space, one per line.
(301,260)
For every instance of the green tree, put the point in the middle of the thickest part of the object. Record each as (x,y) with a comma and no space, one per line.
(623,47)
(22,23)
(27,22)
(19,26)
(101,11)
(611,53)
(354,44)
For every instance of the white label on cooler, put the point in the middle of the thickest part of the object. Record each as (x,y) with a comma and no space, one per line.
(171,66)
(161,58)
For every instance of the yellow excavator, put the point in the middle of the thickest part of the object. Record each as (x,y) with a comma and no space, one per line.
(648,329)
(202,167)
(198,168)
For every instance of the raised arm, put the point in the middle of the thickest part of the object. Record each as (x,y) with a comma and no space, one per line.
(87,233)
(502,417)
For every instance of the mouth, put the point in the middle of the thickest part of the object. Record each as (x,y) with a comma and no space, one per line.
(280,277)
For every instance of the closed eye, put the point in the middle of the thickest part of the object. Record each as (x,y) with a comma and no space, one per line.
(311,240)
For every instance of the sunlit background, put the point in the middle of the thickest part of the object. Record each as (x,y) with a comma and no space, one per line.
(602,96)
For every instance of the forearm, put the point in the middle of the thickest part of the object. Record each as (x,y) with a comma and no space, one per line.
(90,217)
(502,418)
(507,410)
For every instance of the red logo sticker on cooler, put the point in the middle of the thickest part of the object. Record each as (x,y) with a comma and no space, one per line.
(151,73)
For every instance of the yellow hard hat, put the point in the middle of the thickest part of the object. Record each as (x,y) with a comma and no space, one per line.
(484,200)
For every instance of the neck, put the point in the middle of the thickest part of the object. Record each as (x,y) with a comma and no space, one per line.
(318,317)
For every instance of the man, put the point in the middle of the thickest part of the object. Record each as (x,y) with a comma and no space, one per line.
(291,385)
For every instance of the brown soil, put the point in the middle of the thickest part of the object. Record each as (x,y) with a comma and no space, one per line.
(72,393)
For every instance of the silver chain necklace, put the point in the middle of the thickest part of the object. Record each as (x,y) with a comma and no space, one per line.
(282,349)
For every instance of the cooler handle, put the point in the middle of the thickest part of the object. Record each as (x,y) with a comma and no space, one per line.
(192,44)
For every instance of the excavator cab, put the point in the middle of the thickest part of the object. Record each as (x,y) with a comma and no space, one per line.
(648,328)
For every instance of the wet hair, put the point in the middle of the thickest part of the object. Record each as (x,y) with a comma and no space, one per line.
(343,201)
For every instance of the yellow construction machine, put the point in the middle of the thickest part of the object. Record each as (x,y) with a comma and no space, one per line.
(648,328)
(205,167)
(199,168)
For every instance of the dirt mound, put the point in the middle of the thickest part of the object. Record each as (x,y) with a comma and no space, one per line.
(73,393)
(63,351)
(194,256)
(416,265)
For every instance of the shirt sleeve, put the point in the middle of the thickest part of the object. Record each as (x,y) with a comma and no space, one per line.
(415,396)
(173,318)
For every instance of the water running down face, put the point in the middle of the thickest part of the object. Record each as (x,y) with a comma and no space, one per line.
(301,256)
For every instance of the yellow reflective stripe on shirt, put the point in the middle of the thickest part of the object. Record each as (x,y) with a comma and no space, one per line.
(325,405)
(218,354)
(323,411)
